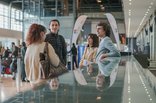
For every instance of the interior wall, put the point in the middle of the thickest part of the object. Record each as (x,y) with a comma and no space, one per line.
(66,24)
(10,33)
(7,36)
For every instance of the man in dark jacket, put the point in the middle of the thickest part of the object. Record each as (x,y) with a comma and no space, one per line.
(15,50)
(57,41)
(74,56)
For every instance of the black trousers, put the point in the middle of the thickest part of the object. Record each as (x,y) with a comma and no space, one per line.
(74,61)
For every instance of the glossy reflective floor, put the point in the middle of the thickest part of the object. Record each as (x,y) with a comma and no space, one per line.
(124,82)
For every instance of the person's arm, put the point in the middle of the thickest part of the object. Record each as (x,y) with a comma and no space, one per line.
(113,51)
(82,59)
(94,54)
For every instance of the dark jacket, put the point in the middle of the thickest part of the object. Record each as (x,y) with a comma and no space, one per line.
(23,50)
(73,51)
(15,52)
(59,45)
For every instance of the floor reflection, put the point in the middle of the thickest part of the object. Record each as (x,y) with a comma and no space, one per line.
(110,81)
(66,89)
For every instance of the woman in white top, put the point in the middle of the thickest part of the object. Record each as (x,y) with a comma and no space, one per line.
(35,45)
(90,50)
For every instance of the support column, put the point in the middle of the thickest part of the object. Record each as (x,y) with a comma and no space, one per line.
(153,44)
(65,8)
(56,8)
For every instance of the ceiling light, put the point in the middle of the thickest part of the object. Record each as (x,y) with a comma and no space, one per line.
(98,98)
(52,8)
(102,8)
(129,12)
(99,1)
(140,25)
(129,23)
(101,5)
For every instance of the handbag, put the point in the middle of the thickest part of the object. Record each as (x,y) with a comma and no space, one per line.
(49,71)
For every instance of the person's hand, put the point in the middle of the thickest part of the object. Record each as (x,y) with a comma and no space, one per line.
(80,66)
(85,62)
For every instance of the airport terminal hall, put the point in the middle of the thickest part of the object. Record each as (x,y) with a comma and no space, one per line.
(77,51)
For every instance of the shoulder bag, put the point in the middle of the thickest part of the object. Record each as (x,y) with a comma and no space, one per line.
(49,71)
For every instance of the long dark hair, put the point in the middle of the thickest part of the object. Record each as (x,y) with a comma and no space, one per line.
(95,39)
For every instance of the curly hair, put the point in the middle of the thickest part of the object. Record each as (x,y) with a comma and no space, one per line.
(106,27)
(33,34)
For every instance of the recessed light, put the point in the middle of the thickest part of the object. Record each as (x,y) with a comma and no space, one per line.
(98,98)
(99,1)
(148,9)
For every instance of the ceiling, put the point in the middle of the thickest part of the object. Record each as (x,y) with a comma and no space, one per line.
(85,6)
(82,5)
(137,13)
(104,5)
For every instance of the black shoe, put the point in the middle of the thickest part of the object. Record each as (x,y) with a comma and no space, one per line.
(27,80)
(23,80)
(13,78)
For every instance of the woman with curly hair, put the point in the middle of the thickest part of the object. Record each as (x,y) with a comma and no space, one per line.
(35,45)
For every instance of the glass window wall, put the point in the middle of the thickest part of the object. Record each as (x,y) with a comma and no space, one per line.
(16,18)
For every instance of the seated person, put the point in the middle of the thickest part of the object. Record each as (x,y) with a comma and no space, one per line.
(106,47)
(90,50)
(107,75)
